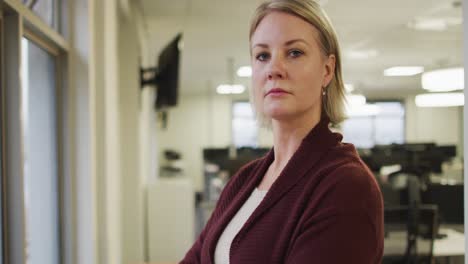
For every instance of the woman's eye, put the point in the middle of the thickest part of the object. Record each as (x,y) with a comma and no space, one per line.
(295,53)
(262,56)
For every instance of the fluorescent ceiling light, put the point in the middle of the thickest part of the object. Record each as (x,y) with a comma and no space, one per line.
(440,100)
(403,71)
(349,87)
(230,89)
(434,23)
(237,89)
(356,106)
(429,24)
(244,71)
(362,54)
(443,80)
(362,110)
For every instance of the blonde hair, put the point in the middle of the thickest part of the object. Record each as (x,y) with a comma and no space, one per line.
(333,102)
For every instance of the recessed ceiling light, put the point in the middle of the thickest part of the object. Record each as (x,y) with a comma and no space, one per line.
(443,80)
(230,89)
(362,54)
(440,99)
(244,71)
(403,71)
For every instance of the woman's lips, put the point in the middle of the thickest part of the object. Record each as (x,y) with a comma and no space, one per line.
(277,92)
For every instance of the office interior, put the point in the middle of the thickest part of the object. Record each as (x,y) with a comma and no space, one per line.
(95,170)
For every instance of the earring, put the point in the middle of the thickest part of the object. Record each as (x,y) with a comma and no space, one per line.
(324,92)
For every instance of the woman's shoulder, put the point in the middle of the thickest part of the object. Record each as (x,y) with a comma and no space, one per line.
(348,177)
(344,158)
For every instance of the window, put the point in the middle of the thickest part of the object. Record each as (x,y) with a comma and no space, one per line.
(52,12)
(244,125)
(384,127)
(41,185)
(45,9)
(35,56)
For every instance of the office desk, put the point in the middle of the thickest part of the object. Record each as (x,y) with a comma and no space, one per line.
(450,246)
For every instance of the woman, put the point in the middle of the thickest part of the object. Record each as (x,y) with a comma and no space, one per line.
(310,199)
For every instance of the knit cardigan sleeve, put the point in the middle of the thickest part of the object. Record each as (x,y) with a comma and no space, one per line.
(342,227)
(193,256)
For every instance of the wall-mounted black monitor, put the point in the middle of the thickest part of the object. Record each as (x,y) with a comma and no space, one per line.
(165,76)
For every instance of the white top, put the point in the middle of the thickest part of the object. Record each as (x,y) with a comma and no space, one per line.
(223,247)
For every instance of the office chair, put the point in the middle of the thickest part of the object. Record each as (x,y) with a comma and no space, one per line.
(415,224)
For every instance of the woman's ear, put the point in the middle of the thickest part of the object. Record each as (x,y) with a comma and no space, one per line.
(329,70)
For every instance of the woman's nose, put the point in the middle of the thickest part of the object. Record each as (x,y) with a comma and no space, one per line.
(277,69)
(275,74)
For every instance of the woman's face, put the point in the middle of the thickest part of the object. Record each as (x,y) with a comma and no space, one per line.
(288,68)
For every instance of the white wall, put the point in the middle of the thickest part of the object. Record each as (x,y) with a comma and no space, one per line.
(105,130)
(132,223)
(441,125)
(171,214)
(197,122)
(82,249)
(123,132)
(201,121)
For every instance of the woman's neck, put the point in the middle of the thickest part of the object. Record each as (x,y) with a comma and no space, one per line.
(288,136)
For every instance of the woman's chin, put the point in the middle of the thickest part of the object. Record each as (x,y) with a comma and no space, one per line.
(277,109)
(278,115)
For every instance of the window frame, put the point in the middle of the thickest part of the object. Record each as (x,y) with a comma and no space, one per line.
(18,22)
(59,6)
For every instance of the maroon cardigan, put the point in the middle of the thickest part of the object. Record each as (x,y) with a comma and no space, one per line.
(324,208)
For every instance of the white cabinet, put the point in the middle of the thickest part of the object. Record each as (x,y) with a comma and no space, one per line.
(171,219)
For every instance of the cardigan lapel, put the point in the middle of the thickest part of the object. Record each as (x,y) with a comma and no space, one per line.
(314,146)
(239,199)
